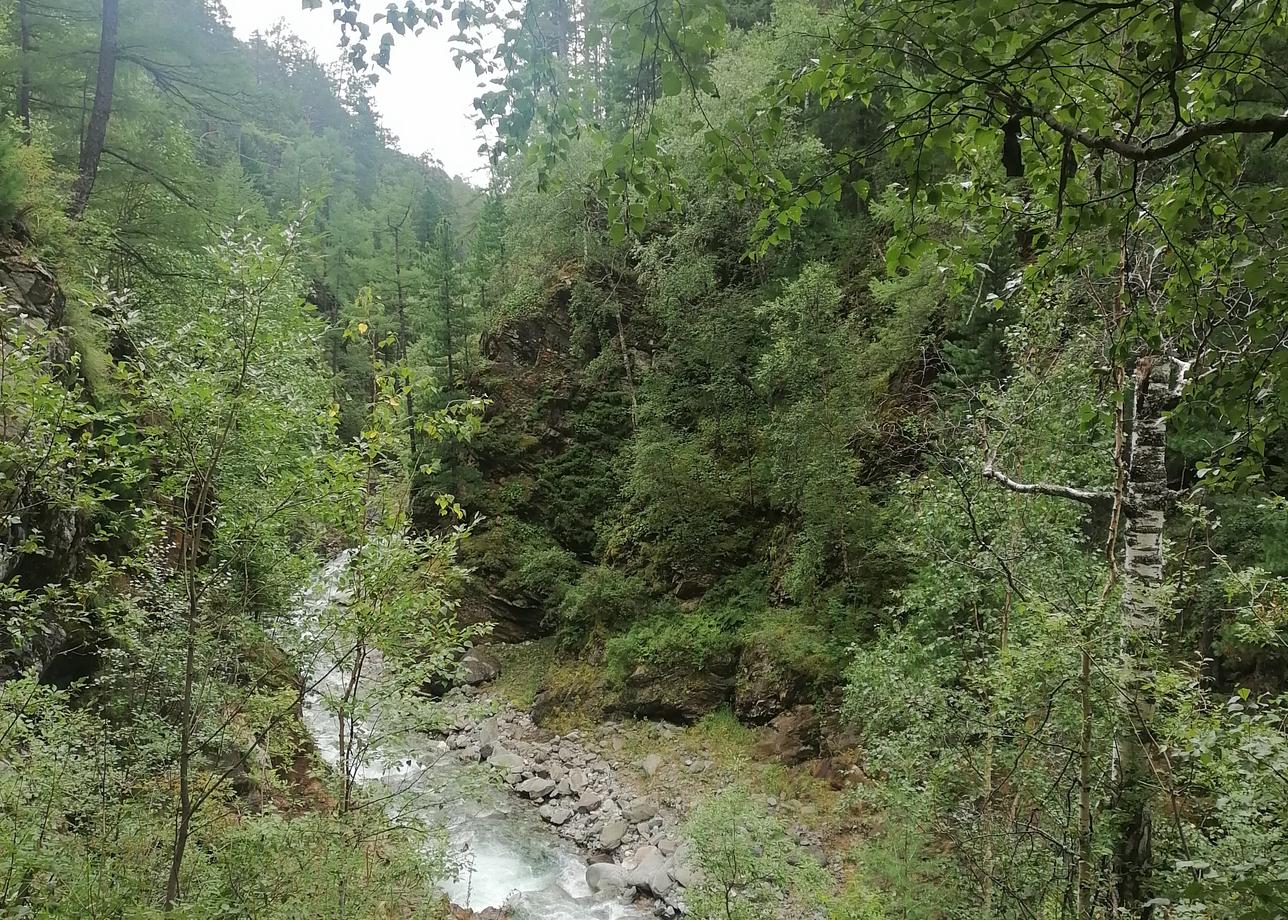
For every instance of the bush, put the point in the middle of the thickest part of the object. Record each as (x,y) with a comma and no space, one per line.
(694,641)
(751,869)
(798,646)
(603,599)
(545,574)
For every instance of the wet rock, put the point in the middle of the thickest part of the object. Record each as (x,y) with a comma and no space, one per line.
(600,876)
(488,913)
(645,866)
(660,882)
(555,815)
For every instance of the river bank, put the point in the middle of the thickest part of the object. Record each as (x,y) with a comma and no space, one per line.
(620,789)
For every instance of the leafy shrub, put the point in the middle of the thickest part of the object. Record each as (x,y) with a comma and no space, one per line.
(602,599)
(11,177)
(694,641)
(545,574)
(751,868)
(797,645)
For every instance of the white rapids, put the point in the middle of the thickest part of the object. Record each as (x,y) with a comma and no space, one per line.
(505,856)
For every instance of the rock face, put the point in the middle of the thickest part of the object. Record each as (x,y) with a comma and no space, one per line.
(675,695)
(792,737)
(31,300)
(765,686)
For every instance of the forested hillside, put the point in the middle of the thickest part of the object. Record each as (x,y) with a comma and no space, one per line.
(856,431)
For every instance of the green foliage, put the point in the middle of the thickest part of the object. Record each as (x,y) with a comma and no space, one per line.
(750,868)
(602,598)
(669,640)
(12,184)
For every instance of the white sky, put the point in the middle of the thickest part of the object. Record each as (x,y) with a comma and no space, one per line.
(423,99)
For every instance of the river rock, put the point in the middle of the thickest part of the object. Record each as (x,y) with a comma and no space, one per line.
(643,866)
(639,811)
(577,781)
(610,838)
(660,882)
(555,815)
(605,875)
(505,760)
(536,788)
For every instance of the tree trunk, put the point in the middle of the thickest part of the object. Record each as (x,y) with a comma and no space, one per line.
(96,133)
(24,72)
(184,819)
(1147,497)
(402,337)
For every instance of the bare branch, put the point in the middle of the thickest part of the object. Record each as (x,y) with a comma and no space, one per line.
(1093,497)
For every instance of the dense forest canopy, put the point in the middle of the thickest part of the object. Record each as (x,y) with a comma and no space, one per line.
(887,397)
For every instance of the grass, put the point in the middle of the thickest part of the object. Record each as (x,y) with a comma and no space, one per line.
(523,666)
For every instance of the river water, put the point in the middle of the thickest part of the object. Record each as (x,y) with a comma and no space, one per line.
(507,856)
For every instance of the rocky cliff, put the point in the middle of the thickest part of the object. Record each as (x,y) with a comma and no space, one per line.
(42,539)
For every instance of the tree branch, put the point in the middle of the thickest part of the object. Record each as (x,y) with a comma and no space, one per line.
(1274,125)
(1092,497)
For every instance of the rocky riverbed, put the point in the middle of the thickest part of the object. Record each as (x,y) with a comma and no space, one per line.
(631,840)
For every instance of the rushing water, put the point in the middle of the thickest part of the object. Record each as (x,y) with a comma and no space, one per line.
(507,855)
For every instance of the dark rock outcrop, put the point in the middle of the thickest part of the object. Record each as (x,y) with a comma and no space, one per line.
(674,694)
(765,686)
(480,666)
(793,737)
(34,303)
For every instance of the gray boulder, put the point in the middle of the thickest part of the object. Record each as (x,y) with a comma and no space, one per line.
(605,875)
(479,666)
(536,788)
(505,760)
(610,838)
(556,815)
(639,811)
(651,764)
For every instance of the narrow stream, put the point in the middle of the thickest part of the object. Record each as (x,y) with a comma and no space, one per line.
(508,856)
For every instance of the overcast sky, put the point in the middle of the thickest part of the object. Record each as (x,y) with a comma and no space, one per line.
(424,100)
